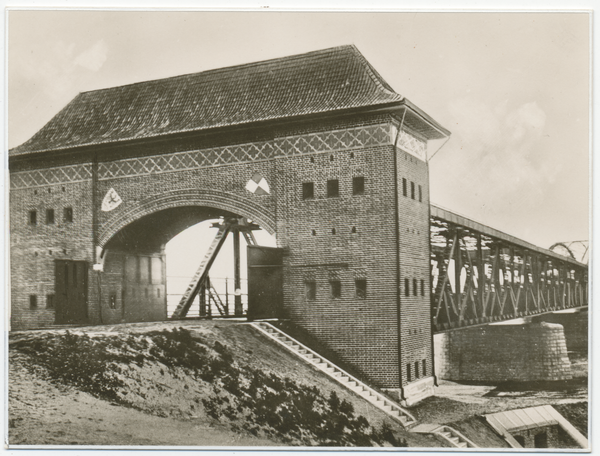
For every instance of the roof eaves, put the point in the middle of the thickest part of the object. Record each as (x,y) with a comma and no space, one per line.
(344,111)
(427,118)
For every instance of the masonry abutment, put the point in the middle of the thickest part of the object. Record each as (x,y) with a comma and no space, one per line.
(503,352)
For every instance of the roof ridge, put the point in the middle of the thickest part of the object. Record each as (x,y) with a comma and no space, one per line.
(227,69)
(377,78)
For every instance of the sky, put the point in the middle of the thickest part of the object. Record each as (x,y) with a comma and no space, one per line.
(513,88)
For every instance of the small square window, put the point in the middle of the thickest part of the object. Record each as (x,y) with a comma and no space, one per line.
(404,186)
(333,188)
(310,289)
(308,190)
(361,288)
(68,214)
(336,289)
(412,190)
(49,216)
(32,217)
(358,185)
(33,301)
(50,301)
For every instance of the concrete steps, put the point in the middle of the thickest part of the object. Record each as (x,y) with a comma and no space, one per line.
(450,435)
(392,409)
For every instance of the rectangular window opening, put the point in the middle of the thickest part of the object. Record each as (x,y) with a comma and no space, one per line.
(50,301)
(414,287)
(420,194)
(49,216)
(406,288)
(416,369)
(404,186)
(333,188)
(424,368)
(68,214)
(310,288)
(408,374)
(33,301)
(358,185)
(33,217)
(422,287)
(308,190)
(361,288)
(336,289)
(412,190)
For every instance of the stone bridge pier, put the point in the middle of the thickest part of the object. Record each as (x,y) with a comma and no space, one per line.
(530,349)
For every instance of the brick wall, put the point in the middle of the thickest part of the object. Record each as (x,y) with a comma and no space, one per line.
(547,437)
(363,331)
(503,353)
(415,317)
(35,247)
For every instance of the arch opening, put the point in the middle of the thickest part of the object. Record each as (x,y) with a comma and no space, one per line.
(148,264)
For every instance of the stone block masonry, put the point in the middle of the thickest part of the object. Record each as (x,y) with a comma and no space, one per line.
(520,352)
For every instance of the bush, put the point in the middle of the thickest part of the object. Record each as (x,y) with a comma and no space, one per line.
(244,397)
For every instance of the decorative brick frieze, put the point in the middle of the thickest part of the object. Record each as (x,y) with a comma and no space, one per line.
(50,176)
(410,142)
(253,152)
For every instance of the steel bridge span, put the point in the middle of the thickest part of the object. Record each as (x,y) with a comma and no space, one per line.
(481,275)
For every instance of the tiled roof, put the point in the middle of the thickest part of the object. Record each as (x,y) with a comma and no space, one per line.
(325,81)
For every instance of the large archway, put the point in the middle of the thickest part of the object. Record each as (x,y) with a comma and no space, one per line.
(134,284)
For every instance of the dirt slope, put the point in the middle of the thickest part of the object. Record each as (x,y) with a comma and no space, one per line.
(214,383)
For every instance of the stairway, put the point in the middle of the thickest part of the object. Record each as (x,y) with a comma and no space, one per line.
(380,401)
(446,433)
(201,274)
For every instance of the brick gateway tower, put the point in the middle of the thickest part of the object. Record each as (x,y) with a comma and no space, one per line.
(118,172)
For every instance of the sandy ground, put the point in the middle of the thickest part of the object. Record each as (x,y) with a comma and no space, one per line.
(41,413)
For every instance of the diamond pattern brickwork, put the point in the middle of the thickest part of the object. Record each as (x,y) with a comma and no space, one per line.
(50,176)
(290,146)
(411,144)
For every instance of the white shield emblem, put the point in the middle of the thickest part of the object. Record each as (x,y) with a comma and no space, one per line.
(111,200)
(258,185)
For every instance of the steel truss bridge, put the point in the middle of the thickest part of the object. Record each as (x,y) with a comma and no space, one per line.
(480,275)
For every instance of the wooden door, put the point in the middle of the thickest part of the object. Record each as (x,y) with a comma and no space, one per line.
(265,282)
(70,288)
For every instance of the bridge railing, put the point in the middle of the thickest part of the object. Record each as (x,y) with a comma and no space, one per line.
(479,276)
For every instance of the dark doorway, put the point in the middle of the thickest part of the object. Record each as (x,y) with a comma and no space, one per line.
(541,440)
(520,440)
(265,276)
(70,285)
